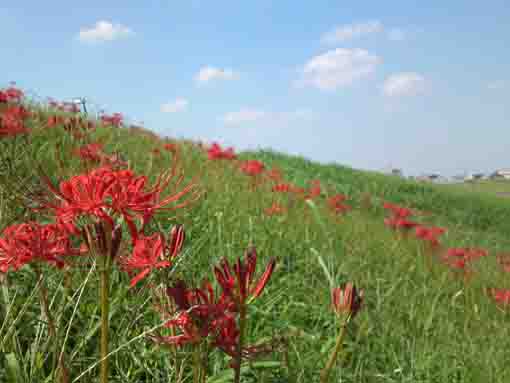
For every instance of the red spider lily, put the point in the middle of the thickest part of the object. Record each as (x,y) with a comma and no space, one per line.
(504,261)
(275,209)
(54,121)
(103,192)
(199,314)
(252,167)
(12,121)
(400,223)
(150,253)
(347,300)
(239,283)
(99,242)
(461,258)
(315,190)
(29,242)
(500,296)
(429,234)
(398,211)
(170,147)
(215,152)
(282,188)
(113,120)
(11,95)
(90,152)
(336,203)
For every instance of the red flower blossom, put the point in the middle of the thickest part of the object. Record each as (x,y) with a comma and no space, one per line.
(103,192)
(215,152)
(282,188)
(239,283)
(347,300)
(429,234)
(337,205)
(12,121)
(11,95)
(29,242)
(170,147)
(461,258)
(500,296)
(151,253)
(113,120)
(275,209)
(90,152)
(252,167)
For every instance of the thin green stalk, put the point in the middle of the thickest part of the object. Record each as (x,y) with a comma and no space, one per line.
(105,308)
(239,353)
(332,359)
(197,364)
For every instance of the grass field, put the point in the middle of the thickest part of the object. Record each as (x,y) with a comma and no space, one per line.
(420,321)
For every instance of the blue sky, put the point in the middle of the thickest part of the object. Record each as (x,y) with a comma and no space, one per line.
(420,86)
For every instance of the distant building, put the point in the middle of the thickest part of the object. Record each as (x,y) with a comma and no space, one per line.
(474,177)
(502,173)
(433,177)
(397,172)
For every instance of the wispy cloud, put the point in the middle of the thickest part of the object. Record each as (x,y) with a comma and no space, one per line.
(337,68)
(209,73)
(245,115)
(178,105)
(351,31)
(104,31)
(404,84)
(496,85)
(396,34)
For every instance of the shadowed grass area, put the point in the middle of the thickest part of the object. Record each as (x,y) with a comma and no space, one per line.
(420,321)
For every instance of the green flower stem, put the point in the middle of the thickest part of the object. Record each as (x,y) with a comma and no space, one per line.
(239,354)
(105,308)
(332,359)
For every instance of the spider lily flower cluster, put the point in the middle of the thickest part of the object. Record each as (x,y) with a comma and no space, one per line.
(217,320)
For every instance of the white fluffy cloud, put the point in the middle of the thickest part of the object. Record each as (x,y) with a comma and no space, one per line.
(351,31)
(252,114)
(338,67)
(104,31)
(209,73)
(179,105)
(404,84)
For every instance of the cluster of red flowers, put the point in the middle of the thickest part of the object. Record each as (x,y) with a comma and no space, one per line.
(113,120)
(337,204)
(202,315)
(10,94)
(12,120)
(252,167)
(399,218)
(429,234)
(215,152)
(461,257)
(29,242)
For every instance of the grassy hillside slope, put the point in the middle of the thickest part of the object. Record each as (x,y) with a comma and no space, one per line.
(420,320)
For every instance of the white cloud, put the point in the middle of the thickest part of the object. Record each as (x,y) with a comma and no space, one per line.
(104,31)
(243,115)
(496,85)
(253,114)
(338,67)
(209,73)
(404,84)
(396,34)
(351,31)
(179,105)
